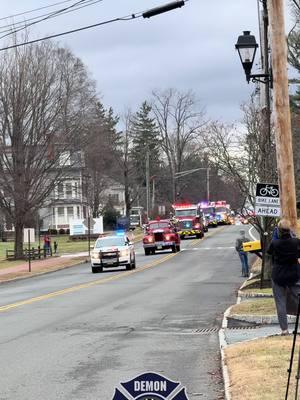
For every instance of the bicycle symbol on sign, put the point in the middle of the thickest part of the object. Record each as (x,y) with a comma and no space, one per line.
(269,190)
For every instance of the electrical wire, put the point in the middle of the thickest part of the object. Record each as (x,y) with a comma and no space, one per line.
(35,9)
(51,15)
(126,18)
(118,19)
(24,23)
(296,4)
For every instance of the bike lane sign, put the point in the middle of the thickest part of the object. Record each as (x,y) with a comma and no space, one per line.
(267,201)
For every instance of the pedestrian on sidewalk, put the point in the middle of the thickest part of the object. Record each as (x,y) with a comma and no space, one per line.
(285,252)
(242,254)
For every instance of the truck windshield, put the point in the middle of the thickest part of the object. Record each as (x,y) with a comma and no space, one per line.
(222,209)
(209,210)
(159,225)
(186,212)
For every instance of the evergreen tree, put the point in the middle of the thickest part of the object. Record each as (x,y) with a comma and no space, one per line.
(145,138)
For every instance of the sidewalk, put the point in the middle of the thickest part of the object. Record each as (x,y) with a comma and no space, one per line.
(42,266)
(254,355)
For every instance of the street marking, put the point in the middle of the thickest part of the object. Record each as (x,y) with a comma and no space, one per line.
(85,285)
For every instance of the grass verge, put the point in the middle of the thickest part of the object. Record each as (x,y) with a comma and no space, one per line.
(258,369)
(261,306)
(252,286)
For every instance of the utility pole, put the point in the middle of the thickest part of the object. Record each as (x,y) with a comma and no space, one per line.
(148,182)
(207,184)
(283,132)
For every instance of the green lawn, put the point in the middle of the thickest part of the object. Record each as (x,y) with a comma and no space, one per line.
(65,245)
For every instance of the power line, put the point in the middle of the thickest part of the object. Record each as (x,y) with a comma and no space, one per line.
(126,18)
(51,15)
(35,9)
(24,22)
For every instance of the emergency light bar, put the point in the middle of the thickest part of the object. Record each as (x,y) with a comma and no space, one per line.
(177,206)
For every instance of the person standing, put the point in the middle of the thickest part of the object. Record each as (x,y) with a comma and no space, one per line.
(242,254)
(285,252)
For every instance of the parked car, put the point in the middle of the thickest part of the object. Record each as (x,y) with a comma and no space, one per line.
(112,251)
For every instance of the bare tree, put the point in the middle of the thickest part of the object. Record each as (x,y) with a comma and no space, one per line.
(180,123)
(45,95)
(241,155)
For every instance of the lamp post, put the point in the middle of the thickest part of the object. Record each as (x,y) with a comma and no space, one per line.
(191,171)
(246,47)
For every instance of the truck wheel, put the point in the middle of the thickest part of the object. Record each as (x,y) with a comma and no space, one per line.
(128,267)
(174,249)
(181,237)
(178,248)
(147,252)
(133,264)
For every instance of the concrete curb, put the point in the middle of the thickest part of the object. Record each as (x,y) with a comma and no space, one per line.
(241,294)
(223,345)
(259,319)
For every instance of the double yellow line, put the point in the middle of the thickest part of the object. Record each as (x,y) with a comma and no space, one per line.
(93,283)
(84,285)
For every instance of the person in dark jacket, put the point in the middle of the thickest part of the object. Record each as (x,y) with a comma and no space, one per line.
(285,252)
(242,254)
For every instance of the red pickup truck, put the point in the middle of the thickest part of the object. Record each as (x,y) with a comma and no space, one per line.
(160,235)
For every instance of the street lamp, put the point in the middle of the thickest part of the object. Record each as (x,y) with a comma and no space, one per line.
(246,46)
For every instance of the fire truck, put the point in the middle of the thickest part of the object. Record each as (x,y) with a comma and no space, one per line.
(189,220)
(223,212)
(161,235)
(209,212)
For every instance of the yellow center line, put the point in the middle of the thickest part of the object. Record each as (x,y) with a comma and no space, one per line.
(85,285)
(94,283)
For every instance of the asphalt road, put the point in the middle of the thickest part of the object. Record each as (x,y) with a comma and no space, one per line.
(75,335)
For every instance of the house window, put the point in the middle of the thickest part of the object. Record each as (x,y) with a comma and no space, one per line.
(60,190)
(69,190)
(60,215)
(78,212)
(70,213)
(64,159)
(75,187)
(114,198)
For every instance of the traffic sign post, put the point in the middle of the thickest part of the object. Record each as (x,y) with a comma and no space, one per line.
(267,201)
(267,205)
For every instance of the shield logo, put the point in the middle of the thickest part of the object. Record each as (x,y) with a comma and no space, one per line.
(150,386)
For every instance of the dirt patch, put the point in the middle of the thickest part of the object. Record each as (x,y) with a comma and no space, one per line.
(258,369)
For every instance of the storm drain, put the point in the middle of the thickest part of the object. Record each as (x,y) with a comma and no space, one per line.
(207,331)
(242,328)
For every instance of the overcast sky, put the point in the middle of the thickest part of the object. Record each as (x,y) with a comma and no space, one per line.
(188,48)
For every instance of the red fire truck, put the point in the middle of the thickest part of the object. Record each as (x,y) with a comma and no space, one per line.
(160,235)
(189,220)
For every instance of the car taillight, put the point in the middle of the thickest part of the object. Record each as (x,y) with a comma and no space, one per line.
(150,239)
(197,226)
(167,237)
